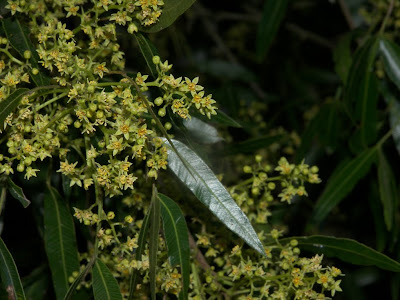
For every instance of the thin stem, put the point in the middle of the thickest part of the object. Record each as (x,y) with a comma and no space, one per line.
(388,13)
(51,101)
(3,198)
(113,83)
(12,58)
(56,118)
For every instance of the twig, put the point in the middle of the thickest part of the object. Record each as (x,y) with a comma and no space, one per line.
(346,13)
(388,13)
(308,35)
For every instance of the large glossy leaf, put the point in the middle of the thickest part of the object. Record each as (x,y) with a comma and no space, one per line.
(18,36)
(153,244)
(361,94)
(390,53)
(272,16)
(347,250)
(387,190)
(9,274)
(9,104)
(201,132)
(17,193)
(105,286)
(177,239)
(199,178)
(148,51)
(171,10)
(342,181)
(60,243)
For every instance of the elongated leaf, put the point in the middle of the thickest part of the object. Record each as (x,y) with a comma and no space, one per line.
(206,187)
(105,286)
(148,51)
(60,241)
(9,274)
(390,53)
(17,193)
(220,118)
(252,145)
(18,36)
(361,94)
(272,16)
(153,245)
(79,278)
(381,234)
(177,238)
(342,56)
(9,104)
(387,190)
(347,250)
(171,10)
(201,131)
(342,182)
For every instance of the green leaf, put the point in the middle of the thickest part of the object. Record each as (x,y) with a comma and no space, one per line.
(105,286)
(79,278)
(199,178)
(342,56)
(390,53)
(381,234)
(148,50)
(252,145)
(342,181)
(17,193)
(9,104)
(171,10)
(177,239)
(18,36)
(60,243)
(272,16)
(361,94)
(153,244)
(387,190)
(347,250)
(220,118)
(202,132)
(9,274)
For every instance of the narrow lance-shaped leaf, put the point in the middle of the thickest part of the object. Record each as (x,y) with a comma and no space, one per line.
(148,51)
(177,239)
(9,104)
(387,190)
(153,244)
(272,16)
(342,182)
(201,132)
(209,190)
(17,193)
(60,241)
(390,53)
(18,36)
(171,10)
(221,118)
(347,250)
(342,56)
(9,274)
(105,286)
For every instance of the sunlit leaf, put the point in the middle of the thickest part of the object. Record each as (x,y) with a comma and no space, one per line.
(199,178)
(272,16)
(347,250)
(148,51)
(342,181)
(177,239)
(201,132)
(60,241)
(17,193)
(9,104)
(171,10)
(387,189)
(105,286)
(390,53)
(18,36)
(153,243)
(9,274)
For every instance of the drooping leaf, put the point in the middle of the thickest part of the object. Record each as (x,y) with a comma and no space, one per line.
(272,16)
(17,193)
(148,51)
(202,132)
(9,274)
(18,36)
(387,190)
(347,250)
(9,104)
(342,57)
(252,145)
(153,244)
(105,286)
(361,93)
(390,53)
(171,10)
(342,181)
(199,178)
(60,242)
(177,239)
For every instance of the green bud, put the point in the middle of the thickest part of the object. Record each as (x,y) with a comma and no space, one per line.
(77,124)
(258,158)
(102,144)
(91,88)
(1,157)
(108,231)
(247,169)
(162,112)
(99,114)
(156,60)
(271,185)
(28,161)
(27,128)
(314,169)
(20,167)
(294,243)
(4,40)
(168,126)
(27,54)
(255,191)
(132,28)
(93,107)
(296,251)
(86,222)
(158,101)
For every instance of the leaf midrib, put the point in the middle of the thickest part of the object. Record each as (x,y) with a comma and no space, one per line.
(97,265)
